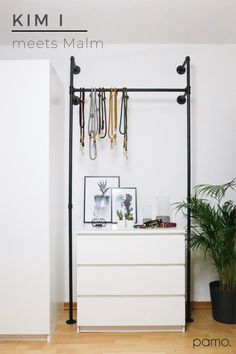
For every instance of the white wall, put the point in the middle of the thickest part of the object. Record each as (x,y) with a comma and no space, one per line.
(157,166)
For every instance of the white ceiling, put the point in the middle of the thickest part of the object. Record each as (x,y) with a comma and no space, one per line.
(130,21)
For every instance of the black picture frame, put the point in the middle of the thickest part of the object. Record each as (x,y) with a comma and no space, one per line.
(118,195)
(98,206)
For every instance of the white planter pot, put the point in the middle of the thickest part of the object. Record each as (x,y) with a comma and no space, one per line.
(129,224)
(121,224)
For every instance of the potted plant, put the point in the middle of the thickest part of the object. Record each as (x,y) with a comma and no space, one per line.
(121,220)
(213,230)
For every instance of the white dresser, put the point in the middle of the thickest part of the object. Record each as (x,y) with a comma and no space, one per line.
(131,280)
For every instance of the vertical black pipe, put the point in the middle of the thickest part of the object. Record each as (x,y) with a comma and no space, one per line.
(188,290)
(70,206)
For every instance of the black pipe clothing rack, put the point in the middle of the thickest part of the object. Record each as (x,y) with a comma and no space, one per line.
(185,97)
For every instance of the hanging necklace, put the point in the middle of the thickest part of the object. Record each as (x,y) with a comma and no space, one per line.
(81,118)
(93,125)
(102,114)
(124,120)
(115,115)
(99,112)
(112,122)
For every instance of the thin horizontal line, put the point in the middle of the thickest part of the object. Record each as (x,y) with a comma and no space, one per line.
(182,295)
(132,265)
(50,31)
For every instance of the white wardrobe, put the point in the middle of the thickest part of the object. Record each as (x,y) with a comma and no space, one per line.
(31,198)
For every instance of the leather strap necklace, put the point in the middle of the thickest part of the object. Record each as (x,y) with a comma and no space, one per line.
(93,125)
(115,115)
(112,122)
(102,114)
(124,120)
(81,117)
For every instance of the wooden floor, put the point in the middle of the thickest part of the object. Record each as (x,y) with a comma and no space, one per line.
(202,332)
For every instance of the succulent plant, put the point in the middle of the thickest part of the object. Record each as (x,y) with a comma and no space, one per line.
(119,214)
(129,216)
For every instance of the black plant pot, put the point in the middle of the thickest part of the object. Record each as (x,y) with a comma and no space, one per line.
(223,303)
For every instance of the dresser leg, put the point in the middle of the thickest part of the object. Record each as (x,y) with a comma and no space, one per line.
(78,329)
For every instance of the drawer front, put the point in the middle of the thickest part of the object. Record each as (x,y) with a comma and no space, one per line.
(160,249)
(131,311)
(130,280)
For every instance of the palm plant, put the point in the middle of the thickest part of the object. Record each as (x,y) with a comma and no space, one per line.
(213,228)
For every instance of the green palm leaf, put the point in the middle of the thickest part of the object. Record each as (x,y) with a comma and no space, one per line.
(213,228)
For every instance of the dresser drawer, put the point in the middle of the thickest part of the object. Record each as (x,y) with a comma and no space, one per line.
(131,311)
(131,280)
(141,249)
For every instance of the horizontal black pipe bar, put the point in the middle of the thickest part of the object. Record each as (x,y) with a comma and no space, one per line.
(138,89)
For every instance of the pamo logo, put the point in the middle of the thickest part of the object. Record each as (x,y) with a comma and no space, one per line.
(211,342)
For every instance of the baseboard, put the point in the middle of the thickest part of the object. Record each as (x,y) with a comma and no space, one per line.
(25,337)
(201,305)
(196,305)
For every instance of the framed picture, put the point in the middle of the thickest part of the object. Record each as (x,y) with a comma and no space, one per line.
(97,197)
(124,200)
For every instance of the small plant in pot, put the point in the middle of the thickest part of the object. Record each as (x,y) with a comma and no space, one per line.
(213,230)
(121,220)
